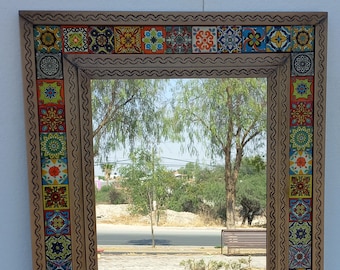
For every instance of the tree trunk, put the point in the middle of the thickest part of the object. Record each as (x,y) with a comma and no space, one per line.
(151,219)
(230,188)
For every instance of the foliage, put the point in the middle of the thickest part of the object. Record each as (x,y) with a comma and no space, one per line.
(102,195)
(117,196)
(123,113)
(227,116)
(110,194)
(215,265)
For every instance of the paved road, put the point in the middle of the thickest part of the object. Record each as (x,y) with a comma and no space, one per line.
(108,234)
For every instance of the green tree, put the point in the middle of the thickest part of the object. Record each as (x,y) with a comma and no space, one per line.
(125,112)
(147,183)
(226,116)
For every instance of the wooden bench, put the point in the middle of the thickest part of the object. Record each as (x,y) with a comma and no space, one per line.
(243,239)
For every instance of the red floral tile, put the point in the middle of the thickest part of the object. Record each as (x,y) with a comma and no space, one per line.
(55,197)
(301,113)
(52,119)
(300,186)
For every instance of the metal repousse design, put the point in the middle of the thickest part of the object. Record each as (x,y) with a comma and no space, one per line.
(183,45)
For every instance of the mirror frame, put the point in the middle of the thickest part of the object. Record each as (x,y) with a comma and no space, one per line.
(79,68)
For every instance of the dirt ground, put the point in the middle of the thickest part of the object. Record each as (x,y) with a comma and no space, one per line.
(167,262)
(168,258)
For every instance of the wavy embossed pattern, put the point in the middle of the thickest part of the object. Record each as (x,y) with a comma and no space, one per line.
(284,130)
(273,166)
(33,150)
(258,18)
(73,155)
(88,61)
(86,123)
(167,73)
(319,146)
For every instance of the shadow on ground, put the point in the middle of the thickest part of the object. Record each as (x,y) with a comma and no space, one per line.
(148,242)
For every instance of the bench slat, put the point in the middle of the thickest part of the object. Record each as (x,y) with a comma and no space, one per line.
(243,239)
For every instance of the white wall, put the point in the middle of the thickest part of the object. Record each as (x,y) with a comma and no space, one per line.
(15,246)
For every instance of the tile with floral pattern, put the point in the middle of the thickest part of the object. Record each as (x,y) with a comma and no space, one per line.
(59,265)
(302,64)
(301,89)
(178,39)
(301,113)
(54,171)
(127,39)
(204,39)
(300,233)
(254,39)
(101,39)
(47,39)
(53,145)
(49,65)
(300,257)
(153,39)
(50,92)
(278,39)
(229,39)
(301,162)
(58,247)
(75,39)
(300,209)
(300,186)
(55,197)
(57,222)
(52,119)
(301,138)
(303,38)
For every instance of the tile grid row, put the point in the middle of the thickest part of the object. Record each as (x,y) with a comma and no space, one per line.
(53,41)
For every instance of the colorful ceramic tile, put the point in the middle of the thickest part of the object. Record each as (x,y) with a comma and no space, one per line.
(178,39)
(278,39)
(59,265)
(50,92)
(54,171)
(300,233)
(55,197)
(302,64)
(303,38)
(47,39)
(49,65)
(301,89)
(300,256)
(301,138)
(153,39)
(58,247)
(229,39)
(254,39)
(300,162)
(204,39)
(57,222)
(75,39)
(300,210)
(300,186)
(101,39)
(127,39)
(53,145)
(301,113)
(52,119)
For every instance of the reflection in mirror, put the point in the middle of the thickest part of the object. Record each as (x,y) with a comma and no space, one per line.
(180,154)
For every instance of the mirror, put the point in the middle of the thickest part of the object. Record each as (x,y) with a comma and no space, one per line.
(59,62)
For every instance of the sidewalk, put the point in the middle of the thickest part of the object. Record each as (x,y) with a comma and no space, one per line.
(164,257)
